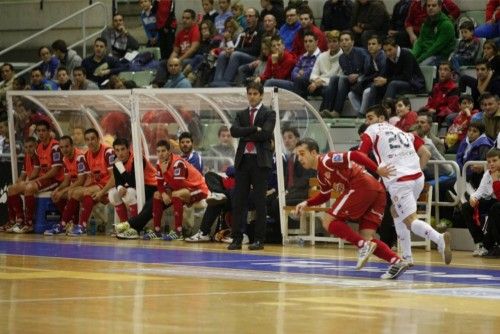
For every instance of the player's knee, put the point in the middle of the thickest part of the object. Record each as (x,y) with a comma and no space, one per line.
(157,195)
(31,189)
(130,197)
(327,219)
(114,197)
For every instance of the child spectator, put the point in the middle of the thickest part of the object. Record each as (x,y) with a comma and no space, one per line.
(467,49)
(458,130)
(209,13)
(389,106)
(238,11)
(407,116)
(49,63)
(148,19)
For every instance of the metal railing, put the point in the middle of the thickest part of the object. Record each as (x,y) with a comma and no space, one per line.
(436,201)
(83,41)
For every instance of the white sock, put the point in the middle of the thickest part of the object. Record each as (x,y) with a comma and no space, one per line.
(425,230)
(404,237)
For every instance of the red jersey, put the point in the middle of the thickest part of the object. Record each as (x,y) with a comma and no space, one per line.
(49,157)
(101,164)
(180,174)
(186,38)
(149,170)
(30,164)
(75,166)
(339,172)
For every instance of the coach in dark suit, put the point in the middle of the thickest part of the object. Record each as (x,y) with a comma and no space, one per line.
(253,162)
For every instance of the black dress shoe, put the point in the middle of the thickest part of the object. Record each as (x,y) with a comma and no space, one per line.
(235,245)
(258,245)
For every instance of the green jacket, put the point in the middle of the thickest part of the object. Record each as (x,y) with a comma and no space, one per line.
(437,38)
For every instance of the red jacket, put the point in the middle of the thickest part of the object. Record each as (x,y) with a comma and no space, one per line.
(281,70)
(461,124)
(298,48)
(444,98)
(407,121)
(496,189)
(417,14)
(491,10)
(165,9)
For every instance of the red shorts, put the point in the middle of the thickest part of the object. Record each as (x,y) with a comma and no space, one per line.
(365,206)
(196,196)
(47,184)
(104,199)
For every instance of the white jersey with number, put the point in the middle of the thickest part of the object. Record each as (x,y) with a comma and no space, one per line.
(391,146)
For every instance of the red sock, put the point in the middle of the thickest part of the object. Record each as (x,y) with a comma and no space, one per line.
(61,205)
(158,207)
(340,229)
(178,206)
(13,207)
(121,211)
(69,211)
(133,210)
(30,203)
(88,205)
(20,206)
(384,252)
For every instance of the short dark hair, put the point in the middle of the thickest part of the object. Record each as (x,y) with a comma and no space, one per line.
(60,45)
(43,122)
(37,69)
(164,143)
(191,12)
(121,141)
(494,152)
(466,97)
(390,41)
(305,10)
(30,139)
(487,95)
(9,65)
(310,33)
(91,130)
(478,125)
(291,129)
(347,32)
(483,62)
(103,40)
(62,68)
(185,135)
(378,110)
(255,85)
(41,48)
(310,143)
(376,37)
(468,25)
(68,138)
(81,69)
(223,128)
(117,14)
(404,99)
(425,112)
(445,63)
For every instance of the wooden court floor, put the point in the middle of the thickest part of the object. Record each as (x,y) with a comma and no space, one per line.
(103,285)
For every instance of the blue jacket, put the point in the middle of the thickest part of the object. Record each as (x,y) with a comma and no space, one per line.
(194,159)
(473,151)
(288,32)
(149,24)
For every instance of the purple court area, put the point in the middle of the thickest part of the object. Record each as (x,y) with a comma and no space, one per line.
(254,262)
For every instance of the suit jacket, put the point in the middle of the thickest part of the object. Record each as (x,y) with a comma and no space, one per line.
(265,119)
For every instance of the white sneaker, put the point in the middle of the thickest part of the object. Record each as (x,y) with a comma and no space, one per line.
(198,237)
(480,250)
(121,227)
(364,253)
(229,240)
(216,198)
(408,259)
(128,234)
(446,250)
(396,270)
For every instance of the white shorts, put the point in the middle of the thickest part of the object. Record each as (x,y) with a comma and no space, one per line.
(404,196)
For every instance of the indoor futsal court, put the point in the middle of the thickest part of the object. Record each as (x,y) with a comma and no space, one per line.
(104,285)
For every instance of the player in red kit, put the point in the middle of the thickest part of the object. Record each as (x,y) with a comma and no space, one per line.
(362,198)
(178,183)
(31,169)
(100,159)
(50,176)
(76,171)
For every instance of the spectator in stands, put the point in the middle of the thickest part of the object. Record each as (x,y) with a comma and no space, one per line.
(307,24)
(325,73)
(485,201)
(67,58)
(360,92)
(407,117)
(487,80)
(63,79)
(402,74)
(246,51)
(424,126)
(354,62)
(437,37)
(238,11)
(458,129)
(118,38)
(290,28)
(38,82)
(490,104)
(268,7)
(389,106)
(443,101)
(269,26)
(397,23)
(223,14)
(418,13)
(336,15)
(80,81)
(187,41)
(148,19)
(166,24)
(250,71)
(474,148)
(176,78)
(280,62)
(100,66)
(490,28)
(7,74)
(369,17)
(49,63)
(209,13)
(224,149)
(19,83)
(187,151)
(466,51)
(232,32)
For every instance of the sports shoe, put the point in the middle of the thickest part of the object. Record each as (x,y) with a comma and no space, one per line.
(128,234)
(15,226)
(77,231)
(229,240)
(446,250)
(56,229)
(121,227)
(69,227)
(198,237)
(409,260)
(396,270)
(172,235)
(6,226)
(216,198)
(480,250)
(364,253)
(152,235)
(24,228)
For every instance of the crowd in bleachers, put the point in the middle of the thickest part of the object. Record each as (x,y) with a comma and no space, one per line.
(357,52)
